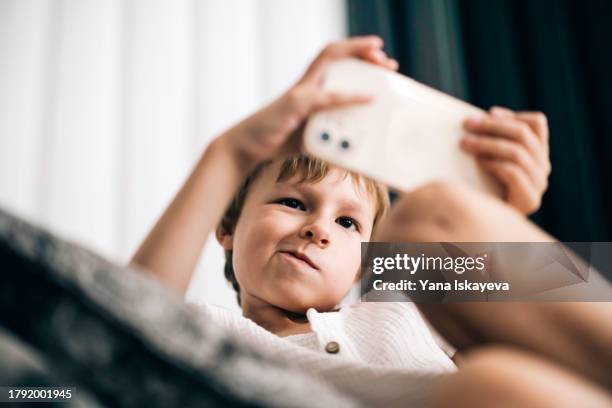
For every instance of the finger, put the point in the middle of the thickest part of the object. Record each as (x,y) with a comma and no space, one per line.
(330,100)
(502,149)
(379,57)
(304,100)
(356,46)
(368,48)
(501,112)
(508,128)
(520,192)
(538,122)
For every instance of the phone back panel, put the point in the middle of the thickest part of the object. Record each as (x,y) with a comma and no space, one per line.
(407,136)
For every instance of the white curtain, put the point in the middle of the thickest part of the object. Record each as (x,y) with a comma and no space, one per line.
(105,105)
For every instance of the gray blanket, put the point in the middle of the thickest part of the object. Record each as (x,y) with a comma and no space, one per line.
(69,317)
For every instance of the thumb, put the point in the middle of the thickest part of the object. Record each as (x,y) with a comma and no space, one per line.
(329,100)
(305,100)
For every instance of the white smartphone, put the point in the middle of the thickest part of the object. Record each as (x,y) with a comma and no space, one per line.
(407,136)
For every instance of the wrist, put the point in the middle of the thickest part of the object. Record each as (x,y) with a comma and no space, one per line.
(230,145)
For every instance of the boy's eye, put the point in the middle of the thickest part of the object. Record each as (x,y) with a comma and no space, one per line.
(348,222)
(292,202)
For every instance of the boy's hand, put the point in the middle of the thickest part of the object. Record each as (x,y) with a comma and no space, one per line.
(513,146)
(277,128)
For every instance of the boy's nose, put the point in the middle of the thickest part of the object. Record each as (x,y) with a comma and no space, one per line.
(315,233)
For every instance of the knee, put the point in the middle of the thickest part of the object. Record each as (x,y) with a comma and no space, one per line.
(428,213)
(439,191)
(442,206)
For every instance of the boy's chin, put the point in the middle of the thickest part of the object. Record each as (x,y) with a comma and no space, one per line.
(299,297)
(300,304)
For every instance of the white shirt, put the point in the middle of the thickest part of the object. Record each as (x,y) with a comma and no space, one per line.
(383,354)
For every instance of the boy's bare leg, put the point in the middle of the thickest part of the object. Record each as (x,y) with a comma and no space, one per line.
(504,377)
(575,335)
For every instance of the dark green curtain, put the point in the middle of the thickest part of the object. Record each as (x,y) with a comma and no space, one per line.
(552,56)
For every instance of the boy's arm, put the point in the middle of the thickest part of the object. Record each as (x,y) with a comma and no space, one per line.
(173,247)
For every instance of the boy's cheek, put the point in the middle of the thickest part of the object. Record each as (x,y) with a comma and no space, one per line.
(343,264)
(273,223)
(264,235)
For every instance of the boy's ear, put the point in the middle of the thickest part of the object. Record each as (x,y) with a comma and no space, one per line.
(224,238)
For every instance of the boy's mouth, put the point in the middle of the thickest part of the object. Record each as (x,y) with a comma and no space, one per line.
(302,257)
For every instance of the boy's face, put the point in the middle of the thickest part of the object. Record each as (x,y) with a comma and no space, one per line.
(281,222)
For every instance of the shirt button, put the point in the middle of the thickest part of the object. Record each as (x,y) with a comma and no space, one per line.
(332,347)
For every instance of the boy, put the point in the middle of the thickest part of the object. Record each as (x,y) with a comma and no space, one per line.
(293,233)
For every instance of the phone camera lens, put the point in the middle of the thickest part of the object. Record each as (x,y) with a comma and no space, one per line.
(345,144)
(325,136)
